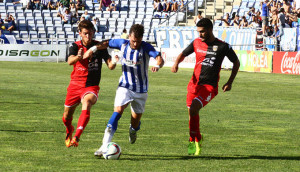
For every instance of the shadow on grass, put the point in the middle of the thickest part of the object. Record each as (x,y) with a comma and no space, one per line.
(136,157)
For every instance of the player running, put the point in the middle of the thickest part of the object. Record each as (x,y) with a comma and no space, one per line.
(203,86)
(133,84)
(85,78)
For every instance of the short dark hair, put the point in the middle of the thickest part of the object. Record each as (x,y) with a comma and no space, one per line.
(86,24)
(206,23)
(138,30)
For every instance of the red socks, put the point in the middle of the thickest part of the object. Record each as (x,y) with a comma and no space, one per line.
(68,123)
(194,128)
(82,122)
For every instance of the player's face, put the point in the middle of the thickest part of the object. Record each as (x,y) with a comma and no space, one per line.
(204,34)
(135,43)
(87,36)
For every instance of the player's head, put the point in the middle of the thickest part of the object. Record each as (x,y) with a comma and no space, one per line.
(205,29)
(136,33)
(86,31)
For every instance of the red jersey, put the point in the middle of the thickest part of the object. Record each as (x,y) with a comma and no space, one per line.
(87,73)
(209,58)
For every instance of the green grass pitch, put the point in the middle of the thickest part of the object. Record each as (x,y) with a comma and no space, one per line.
(254,127)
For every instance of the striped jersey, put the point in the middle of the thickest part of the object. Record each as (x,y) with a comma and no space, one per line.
(135,64)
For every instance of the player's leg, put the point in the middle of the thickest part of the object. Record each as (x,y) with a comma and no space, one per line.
(71,102)
(67,120)
(194,121)
(137,109)
(87,102)
(122,99)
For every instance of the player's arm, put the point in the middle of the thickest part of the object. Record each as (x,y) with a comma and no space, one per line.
(159,63)
(101,46)
(75,54)
(187,51)
(236,65)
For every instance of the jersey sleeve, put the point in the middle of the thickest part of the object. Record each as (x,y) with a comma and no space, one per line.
(188,50)
(73,49)
(150,50)
(231,54)
(116,43)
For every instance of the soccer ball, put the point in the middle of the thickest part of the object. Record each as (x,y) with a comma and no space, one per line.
(113,151)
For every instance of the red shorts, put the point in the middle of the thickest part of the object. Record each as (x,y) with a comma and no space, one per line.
(75,94)
(204,94)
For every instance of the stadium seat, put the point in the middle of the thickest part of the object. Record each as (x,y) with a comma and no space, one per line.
(40,27)
(42,34)
(138,21)
(43,41)
(115,14)
(123,14)
(103,21)
(33,34)
(132,14)
(106,14)
(107,35)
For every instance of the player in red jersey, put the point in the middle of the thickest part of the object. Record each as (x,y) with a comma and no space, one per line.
(84,85)
(203,86)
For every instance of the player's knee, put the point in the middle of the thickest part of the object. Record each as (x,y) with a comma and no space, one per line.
(195,107)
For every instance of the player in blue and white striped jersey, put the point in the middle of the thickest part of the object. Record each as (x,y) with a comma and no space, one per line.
(133,84)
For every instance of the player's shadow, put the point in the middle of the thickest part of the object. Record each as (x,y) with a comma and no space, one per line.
(137,157)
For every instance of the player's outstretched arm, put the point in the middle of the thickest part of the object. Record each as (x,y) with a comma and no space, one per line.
(101,46)
(179,59)
(112,62)
(160,63)
(235,69)
(72,59)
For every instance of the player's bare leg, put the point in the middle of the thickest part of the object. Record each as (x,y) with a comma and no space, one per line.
(87,102)
(195,136)
(134,126)
(110,129)
(67,120)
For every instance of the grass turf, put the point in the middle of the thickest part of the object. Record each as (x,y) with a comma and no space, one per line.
(254,127)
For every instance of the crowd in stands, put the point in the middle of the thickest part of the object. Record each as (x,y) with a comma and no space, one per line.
(168,5)
(272,17)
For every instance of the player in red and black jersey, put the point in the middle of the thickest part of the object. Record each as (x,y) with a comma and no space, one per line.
(203,86)
(85,77)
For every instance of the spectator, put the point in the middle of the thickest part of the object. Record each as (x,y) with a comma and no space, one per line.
(254,23)
(111,7)
(174,6)
(274,21)
(81,19)
(166,6)
(2,27)
(96,23)
(273,7)
(244,22)
(157,6)
(265,6)
(86,15)
(281,22)
(67,17)
(104,4)
(198,17)
(225,21)
(251,13)
(45,4)
(79,5)
(26,4)
(296,5)
(61,10)
(36,5)
(11,23)
(287,7)
(52,5)
(236,21)
(74,12)
(181,5)
(66,3)
(124,34)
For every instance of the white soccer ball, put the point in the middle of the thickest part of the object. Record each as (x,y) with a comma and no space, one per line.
(113,151)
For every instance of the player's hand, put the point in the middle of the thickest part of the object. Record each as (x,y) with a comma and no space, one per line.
(154,69)
(226,87)
(174,68)
(88,54)
(80,53)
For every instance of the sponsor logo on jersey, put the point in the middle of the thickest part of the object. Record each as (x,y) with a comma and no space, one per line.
(215,48)
(208,61)
(206,52)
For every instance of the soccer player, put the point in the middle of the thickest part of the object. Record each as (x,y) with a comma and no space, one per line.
(133,83)
(84,85)
(203,86)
